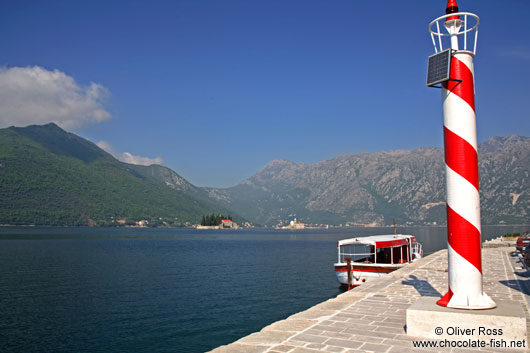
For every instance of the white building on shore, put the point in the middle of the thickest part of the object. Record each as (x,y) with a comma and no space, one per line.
(294,224)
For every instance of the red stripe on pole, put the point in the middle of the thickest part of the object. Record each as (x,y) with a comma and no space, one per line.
(464,86)
(464,238)
(461,157)
(446,298)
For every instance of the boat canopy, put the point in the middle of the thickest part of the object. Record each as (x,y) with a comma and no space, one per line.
(377,249)
(381,241)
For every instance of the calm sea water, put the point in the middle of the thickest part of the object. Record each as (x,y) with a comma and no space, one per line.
(164,290)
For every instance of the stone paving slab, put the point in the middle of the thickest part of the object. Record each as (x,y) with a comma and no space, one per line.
(372,317)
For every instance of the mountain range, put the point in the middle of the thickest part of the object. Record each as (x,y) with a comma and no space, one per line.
(376,188)
(50,176)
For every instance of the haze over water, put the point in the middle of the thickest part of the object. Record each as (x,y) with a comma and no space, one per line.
(165,290)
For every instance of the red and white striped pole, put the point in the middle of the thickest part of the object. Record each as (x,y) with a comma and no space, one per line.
(461,166)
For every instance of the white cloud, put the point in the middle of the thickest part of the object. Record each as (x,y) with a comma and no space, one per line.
(34,95)
(128,157)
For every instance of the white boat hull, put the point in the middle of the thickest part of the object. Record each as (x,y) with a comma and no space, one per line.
(363,273)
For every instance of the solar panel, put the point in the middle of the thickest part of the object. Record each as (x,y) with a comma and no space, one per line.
(439,67)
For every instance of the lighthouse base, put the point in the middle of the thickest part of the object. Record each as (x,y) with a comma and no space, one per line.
(507,321)
(477,302)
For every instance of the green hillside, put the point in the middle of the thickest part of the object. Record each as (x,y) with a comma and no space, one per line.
(51,177)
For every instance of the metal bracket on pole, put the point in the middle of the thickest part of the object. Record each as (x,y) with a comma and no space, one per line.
(451,79)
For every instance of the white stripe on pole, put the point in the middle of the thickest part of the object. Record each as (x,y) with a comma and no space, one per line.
(460,118)
(463,197)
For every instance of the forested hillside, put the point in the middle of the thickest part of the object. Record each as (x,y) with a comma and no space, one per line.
(51,177)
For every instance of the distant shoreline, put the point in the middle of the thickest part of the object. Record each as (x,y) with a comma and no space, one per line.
(256,227)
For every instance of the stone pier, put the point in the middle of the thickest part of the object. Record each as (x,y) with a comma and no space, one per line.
(372,317)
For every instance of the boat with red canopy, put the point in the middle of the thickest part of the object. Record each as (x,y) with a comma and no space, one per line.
(363,258)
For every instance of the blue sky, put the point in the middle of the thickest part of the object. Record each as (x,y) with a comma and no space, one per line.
(217,89)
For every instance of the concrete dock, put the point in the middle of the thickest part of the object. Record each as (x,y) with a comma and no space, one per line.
(372,317)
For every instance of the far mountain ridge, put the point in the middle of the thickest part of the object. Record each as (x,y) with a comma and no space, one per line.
(497,143)
(493,144)
(375,188)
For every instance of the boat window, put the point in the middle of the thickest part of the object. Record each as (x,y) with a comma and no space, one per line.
(400,254)
(384,255)
(406,256)
(357,253)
